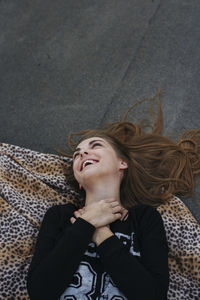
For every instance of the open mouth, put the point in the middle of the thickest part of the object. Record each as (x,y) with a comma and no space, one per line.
(87,163)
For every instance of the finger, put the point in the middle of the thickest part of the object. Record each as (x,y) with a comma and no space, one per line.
(117,216)
(117,209)
(81,211)
(72,220)
(124,214)
(124,217)
(114,203)
(77,214)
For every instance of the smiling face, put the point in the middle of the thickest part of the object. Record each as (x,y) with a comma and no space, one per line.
(95,158)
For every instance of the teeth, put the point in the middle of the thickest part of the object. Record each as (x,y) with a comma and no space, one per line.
(90,161)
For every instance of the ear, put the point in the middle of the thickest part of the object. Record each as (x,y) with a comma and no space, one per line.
(123,164)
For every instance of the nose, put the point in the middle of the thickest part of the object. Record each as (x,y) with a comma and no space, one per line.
(83,153)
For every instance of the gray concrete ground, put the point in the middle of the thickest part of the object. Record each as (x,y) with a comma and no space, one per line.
(69,65)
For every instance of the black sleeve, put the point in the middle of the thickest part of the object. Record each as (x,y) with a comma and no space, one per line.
(145,278)
(56,259)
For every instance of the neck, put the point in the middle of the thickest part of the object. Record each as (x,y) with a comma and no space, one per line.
(102,190)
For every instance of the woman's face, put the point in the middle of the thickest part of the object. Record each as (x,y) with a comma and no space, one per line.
(95,158)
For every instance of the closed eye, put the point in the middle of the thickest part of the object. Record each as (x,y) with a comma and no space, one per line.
(75,155)
(96,144)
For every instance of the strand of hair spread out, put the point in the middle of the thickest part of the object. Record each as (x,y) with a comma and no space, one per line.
(158,166)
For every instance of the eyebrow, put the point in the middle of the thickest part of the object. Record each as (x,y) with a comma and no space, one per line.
(90,143)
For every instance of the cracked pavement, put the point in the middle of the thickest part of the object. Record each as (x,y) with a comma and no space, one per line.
(70,65)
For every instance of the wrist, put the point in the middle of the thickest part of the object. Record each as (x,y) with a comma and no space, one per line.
(102,234)
(89,219)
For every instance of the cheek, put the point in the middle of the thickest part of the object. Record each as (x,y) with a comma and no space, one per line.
(75,166)
(76,172)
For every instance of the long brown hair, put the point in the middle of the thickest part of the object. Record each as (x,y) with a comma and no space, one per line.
(158,167)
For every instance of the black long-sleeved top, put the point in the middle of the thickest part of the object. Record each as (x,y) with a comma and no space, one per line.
(132,264)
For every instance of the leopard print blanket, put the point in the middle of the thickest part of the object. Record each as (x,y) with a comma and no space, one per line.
(31,182)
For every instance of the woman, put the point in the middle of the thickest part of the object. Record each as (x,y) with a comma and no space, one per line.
(114,246)
(91,253)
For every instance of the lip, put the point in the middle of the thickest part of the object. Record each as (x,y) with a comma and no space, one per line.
(88,158)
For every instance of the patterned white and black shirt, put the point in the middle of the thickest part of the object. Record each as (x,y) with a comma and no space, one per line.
(132,264)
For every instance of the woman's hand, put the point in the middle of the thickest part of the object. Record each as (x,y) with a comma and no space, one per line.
(101,213)
(100,234)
